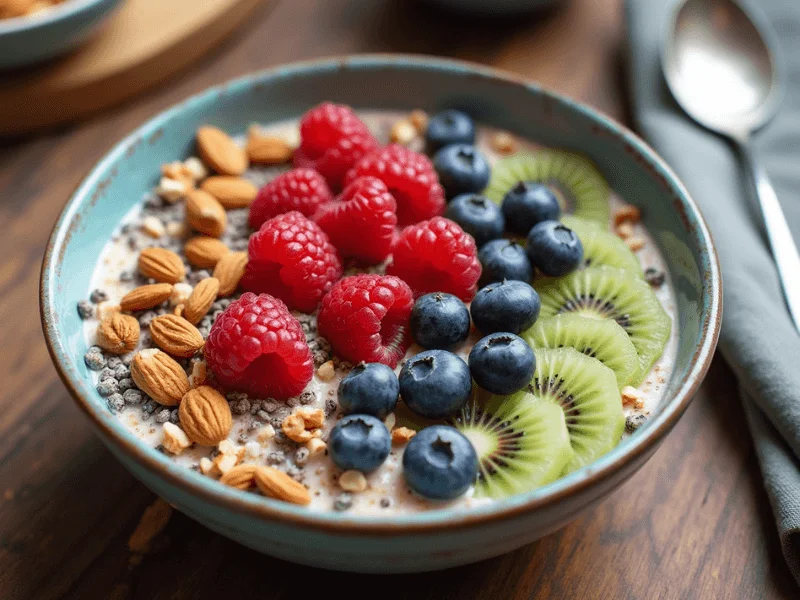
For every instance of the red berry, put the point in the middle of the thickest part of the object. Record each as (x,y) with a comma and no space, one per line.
(361,223)
(291,258)
(332,139)
(437,256)
(257,346)
(410,178)
(300,189)
(366,317)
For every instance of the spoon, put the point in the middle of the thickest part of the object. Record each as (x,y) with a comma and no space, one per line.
(724,72)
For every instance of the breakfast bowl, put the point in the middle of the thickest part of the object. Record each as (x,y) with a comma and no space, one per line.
(413,541)
(30,39)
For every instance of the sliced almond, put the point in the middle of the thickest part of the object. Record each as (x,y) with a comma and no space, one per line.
(118,333)
(205,214)
(161,264)
(219,152)
(402,435)
(159,376)
(199,303)
(267,149)
(277,484)
(199,373)
(229,271)
(175,440)
(146,296)
(204,252)
(241,477)
(205,416)
(232,192)
(176,336)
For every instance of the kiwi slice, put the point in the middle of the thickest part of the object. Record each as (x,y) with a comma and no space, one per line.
(521,445)
(602,339)
(610,293)
(602,247)
(575,180)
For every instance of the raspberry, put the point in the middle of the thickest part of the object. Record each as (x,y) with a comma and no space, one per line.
(300,189)
(366,317)
(436,256)
(410,178)
(257,346)
(332,139)
(291,258)
(361,224)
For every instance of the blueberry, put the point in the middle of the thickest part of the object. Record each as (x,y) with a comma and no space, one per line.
(359,442)
(370,389)
(502,363)
(504,259)
(449,127)
(478,216)
(554,248)
(439,321)
(435,383)
(527,204)
(462,169)
(505,306)
(440,463)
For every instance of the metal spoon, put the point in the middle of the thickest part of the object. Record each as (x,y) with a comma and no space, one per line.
(724,72)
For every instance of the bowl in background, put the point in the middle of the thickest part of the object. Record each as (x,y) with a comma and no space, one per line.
(399,543)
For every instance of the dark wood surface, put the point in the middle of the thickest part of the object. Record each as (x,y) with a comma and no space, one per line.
(693,523)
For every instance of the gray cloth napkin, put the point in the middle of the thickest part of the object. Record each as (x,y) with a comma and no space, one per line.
(758,338)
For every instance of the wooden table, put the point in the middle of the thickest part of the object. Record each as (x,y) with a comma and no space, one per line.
(694,523)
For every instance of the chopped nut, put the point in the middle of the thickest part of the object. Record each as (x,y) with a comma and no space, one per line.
(503,143)
(153,227)
(627,213)
(313,418)
(196,168)
(180,293)
(316,447)
(294,428)
(265,434)
(199,374)
(175,440)
(171,190)
(353,481)
(225,462)
(631,396)
(403,132)
(390,421)
(252,449)
(635,243)
(177,229)
(625,230)
(227,447)
(178,172)
(326,371)
(206,466)
(419,119)
(402,435)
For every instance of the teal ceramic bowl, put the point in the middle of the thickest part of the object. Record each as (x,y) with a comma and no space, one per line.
(29,40)
(417,542)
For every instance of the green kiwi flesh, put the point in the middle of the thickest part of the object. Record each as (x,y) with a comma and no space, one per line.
(602,248)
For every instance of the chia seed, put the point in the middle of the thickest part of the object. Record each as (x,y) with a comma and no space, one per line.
(330,406)
(107,374)
(386,502)
(174,417)
(197,276)
(146,318)
(254,425)
(115,402)
(85,309)
(126,276)
(270,405)
(127,359)
(276,457)
(241,407)
(149,406)
(296,473)
(633,422)
(262,414)
(120,371)
(242,439)
(162,416)
(308,398)
(114,362)
(94,359)
(343,501)
(133,396)
(301,456)
(107,387)
(293,402)
(98,296)
(654,277)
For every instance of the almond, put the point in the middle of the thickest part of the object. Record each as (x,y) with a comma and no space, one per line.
(205,214)
(241,477)
(199,303)
(159,376)
(174,440)
(177,171)
(161,264)
(419,118)
(229,271)
(267,149)
(118,333)
(232,192)
(205,416)
(176,336)
(219,152)
(204,252)
(146,296)
(277,484)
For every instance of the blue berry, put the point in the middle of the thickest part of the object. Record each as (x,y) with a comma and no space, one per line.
(370,389)
(440,463)
(359,442)
(505,306)
(504,259)
(527,204)
(478,216)
(439,321)
(554,248)
(502,363)
(449,127)
(462,169)
(435,383)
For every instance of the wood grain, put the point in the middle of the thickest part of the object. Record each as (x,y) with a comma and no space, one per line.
(693,523)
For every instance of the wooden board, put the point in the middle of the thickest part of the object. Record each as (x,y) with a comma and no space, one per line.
(143,43)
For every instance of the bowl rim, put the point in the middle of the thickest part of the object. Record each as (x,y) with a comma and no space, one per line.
(51,15)
(434,521)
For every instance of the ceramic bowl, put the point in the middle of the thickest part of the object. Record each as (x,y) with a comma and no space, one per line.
(400,543)
(32,39)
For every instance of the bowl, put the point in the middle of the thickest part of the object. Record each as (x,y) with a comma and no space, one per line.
(32,39)
(400,543)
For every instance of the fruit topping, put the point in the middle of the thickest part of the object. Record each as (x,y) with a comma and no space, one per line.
(370,389)
(439,321)
(554,248)
(435,383)
(504,259)
(511,306)
(502,363)
(527,204)
(601,247)
(303,190)
(439,463)
(462,169)
(360,443)
(449,127)
(478,216)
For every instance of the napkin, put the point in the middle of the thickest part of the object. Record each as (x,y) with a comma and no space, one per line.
(758,338)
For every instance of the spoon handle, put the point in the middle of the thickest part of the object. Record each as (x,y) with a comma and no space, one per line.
(784,250)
